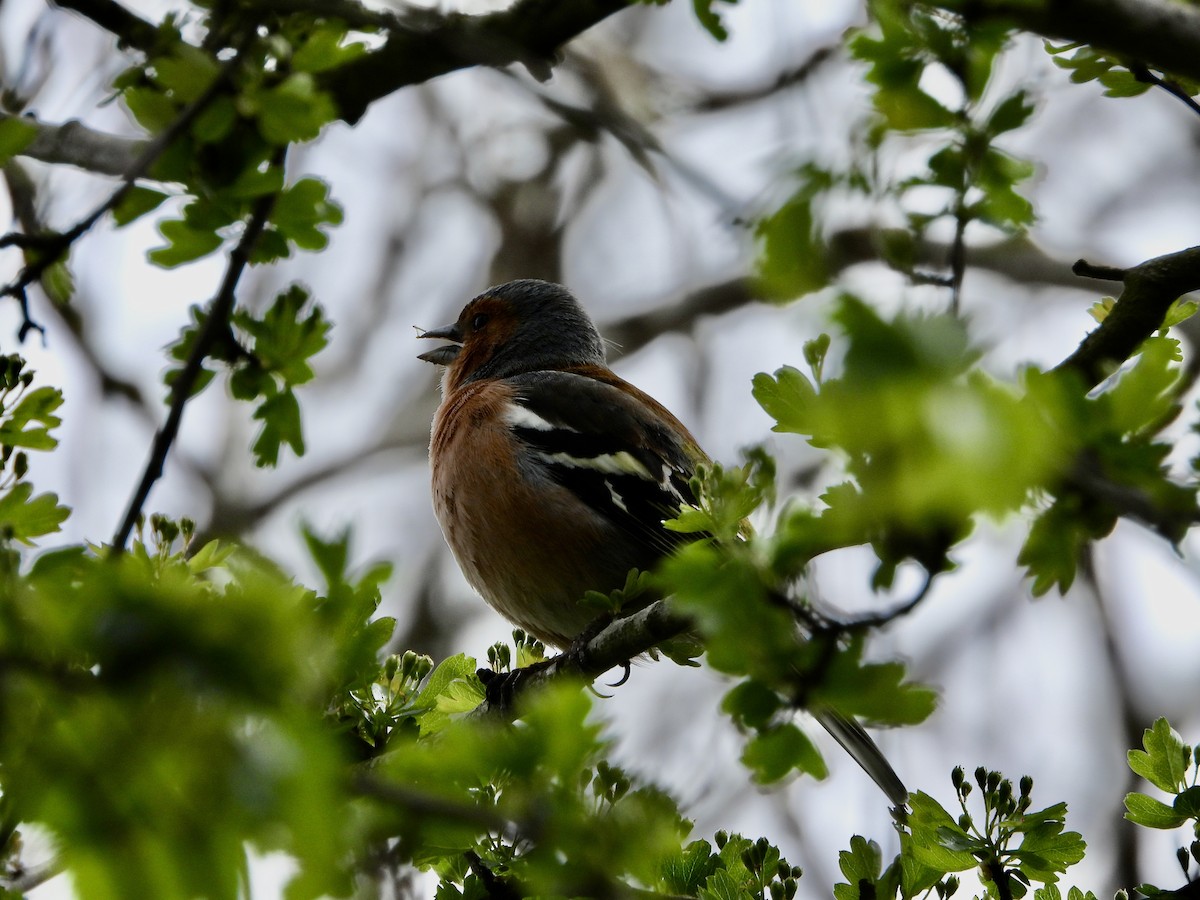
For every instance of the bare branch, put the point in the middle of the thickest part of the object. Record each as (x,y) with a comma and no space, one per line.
(131,29)
(529,32)
(1150,289)
(74,144)
(1158,33)
(34,876)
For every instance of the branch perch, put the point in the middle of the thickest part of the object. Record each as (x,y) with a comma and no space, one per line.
(623,640)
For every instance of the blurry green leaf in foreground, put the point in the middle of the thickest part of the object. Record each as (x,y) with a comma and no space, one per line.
(157,720)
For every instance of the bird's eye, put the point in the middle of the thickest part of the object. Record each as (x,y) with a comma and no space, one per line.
(479,321)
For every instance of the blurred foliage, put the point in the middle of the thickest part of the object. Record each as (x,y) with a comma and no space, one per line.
(167,709)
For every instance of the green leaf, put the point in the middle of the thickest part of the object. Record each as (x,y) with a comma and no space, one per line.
(280,416)
(215,122)
(15,135)
(293,111)
(23,516)
(1011,113)
(136,203)
(1144,393)
(286,338)
(787,398)
(1188,802)
(792,250)
(1056,539)
(751,704)
(256,180)
(185,243)
(686,873)
(709,18)
(323,50)
(996,175)
(302,209)
(1048,851)
(777,751)
(863,862)
(37,406)
(1163,762)
(1150,813)
(186,74)
(1181,310)
(153,109)
(874,692)
(932,830)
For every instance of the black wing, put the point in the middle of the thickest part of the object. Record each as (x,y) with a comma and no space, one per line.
(628,461)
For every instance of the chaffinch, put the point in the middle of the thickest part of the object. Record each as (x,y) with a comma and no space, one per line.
(552,475)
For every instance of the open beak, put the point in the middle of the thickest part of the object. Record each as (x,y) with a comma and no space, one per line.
(443,356)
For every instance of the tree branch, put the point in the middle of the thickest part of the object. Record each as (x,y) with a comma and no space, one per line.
(215,323)
(623,640)
(529,32)
(1158,33)
(131,29)
(1150,289)
(35,876)
(74,144)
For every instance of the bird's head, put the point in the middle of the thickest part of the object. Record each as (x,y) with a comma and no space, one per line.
(521,326)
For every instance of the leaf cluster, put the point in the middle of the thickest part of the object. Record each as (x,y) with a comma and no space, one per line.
(267,357)
(1009,846)
(972,177)
(27,416)
(1171,766)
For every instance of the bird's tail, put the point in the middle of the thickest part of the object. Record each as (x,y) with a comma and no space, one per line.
(855,740)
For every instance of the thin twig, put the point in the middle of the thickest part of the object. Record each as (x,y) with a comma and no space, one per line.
(1085,269)
(215,323)
(1172,87)
(879,619)
(958,253)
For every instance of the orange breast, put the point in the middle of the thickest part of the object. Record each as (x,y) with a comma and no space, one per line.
(523,541)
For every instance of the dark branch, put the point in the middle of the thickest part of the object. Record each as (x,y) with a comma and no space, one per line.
(529,32)
(1160,34)
(215,324)
(131,29)
(879,619)
(1085,269)
(1150,289)
(623,640)
(1172,87)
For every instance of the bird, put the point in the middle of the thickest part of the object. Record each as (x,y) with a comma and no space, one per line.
(552,476)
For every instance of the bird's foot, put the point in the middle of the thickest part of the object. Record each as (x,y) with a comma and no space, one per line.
(500,689)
